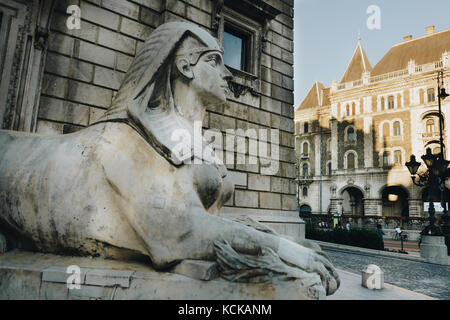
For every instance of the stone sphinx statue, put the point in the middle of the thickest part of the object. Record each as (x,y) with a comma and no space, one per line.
(117,189)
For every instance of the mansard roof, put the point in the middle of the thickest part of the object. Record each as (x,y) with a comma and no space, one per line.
(358,65)
(318,96)
(422,50)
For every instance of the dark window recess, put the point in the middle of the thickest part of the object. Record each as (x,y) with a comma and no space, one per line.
(305,169)
(386,161)
(236,46)
(350,161)
(305,192)
(351,135)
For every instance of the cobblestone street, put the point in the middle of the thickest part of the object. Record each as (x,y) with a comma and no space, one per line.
(425,278)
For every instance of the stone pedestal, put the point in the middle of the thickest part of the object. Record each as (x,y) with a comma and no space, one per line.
(446,230)
(32,276)
(372,207)
(433,249)
(336,205)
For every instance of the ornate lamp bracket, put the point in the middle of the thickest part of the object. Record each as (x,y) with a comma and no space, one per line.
(237,89)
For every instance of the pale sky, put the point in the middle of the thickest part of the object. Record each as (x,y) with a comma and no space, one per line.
(326,34)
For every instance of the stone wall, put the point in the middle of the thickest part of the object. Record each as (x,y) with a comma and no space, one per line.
(85,67)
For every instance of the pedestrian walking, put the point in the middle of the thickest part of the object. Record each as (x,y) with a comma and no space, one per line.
(347,226)
(398,231)
(380,230)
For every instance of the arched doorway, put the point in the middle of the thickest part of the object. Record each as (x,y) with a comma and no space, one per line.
(352,201)
(305,209)
(395,202)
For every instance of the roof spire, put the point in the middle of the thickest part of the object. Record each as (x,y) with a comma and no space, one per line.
(358,64)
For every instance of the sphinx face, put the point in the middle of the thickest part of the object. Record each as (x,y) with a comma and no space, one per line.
(210,81)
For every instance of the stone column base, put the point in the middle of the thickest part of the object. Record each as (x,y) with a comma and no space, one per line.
(415,207)
(433,249)
(336,205)
(372,207)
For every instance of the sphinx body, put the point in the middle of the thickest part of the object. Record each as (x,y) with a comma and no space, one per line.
(117,189)
(84,191)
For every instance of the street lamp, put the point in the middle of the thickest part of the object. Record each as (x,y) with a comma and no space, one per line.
(437,172)
(444,171)
(429,179)
(413,165)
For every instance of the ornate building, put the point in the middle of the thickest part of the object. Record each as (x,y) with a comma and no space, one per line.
(353,139)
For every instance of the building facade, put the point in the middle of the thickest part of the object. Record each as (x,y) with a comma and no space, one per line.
(63,61)
(354,138)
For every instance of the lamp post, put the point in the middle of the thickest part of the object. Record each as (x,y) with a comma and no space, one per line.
(437,172)
(426,179)
(442,95)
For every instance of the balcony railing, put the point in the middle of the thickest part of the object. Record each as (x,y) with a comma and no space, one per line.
(428,136)
(393,75)
(302,179)
(304,155)
(389,76)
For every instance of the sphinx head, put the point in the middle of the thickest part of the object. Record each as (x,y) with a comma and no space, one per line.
(177,73)
(176,55)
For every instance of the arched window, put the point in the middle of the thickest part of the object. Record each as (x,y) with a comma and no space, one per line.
(305,169)
(305,209)
(305,127)
(305,148)
(430,95)
(351,134)
(305,191)
(351,161)
(386,130)
(397,157)
(383,103)
(347,107)
(430,126)
(397,129)
(391,102)
(386,159)
(353,109)
(329,168)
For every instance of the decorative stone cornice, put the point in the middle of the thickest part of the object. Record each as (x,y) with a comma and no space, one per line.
(258,10)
